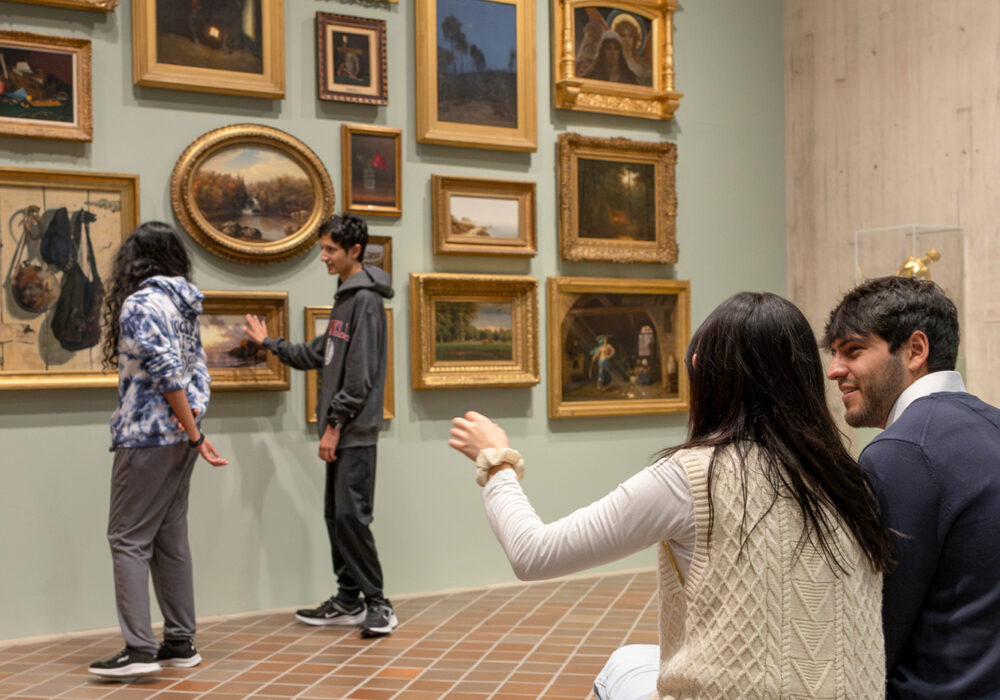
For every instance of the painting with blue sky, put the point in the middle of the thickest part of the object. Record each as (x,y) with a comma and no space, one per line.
(477,62)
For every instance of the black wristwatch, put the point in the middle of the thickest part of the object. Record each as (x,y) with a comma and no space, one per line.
(336,424)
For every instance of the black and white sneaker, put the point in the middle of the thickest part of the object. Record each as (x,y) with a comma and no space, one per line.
(127,663)
(333,612)
(179,653)
(380,619)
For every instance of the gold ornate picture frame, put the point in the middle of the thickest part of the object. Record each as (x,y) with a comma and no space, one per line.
(617,200)
(616,346)
(316,320)
(46,84)
(235,362)
(469,331)
(481,216)
(351,59)
(615,57)
(476,73)
(251,193)
(378,252)
(226,48)
(98,211)
(95,5)
(371,169)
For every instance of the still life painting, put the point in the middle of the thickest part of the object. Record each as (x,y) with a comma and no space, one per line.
(616,346)
(371,169)
(60,231)
(352,59)
(45,86)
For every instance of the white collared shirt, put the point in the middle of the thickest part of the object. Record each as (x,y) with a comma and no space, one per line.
(925,386)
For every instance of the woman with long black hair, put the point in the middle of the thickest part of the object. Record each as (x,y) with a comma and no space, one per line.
(770,546)
(154,340)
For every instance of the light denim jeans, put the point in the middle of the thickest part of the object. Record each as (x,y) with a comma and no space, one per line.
(630,673)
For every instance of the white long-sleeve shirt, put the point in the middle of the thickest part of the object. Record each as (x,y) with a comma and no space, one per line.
(653,506)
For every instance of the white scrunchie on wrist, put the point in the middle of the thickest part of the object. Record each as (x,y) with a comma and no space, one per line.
(491,457)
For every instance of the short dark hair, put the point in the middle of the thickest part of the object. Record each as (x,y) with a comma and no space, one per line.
(346,231)
(893,308)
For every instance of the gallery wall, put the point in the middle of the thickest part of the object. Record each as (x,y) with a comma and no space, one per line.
(256,526)
(891,119)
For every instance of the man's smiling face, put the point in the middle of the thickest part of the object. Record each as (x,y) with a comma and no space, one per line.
(869,376)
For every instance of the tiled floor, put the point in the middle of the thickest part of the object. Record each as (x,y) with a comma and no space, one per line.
(544,640)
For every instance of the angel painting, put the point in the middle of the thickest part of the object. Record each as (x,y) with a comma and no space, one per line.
(613,45)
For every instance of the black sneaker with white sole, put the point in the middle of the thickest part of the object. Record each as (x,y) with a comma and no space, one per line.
(333,612)
(127,663)
(380,619)
(178,653)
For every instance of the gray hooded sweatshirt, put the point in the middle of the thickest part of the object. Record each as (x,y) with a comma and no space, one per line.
(351,355)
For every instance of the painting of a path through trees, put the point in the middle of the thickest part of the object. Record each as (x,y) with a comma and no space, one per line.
(469,331)
(477,62)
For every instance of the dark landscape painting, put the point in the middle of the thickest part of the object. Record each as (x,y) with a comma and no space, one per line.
(477,62)
(219,34)
(613,45)
(617,199)
(225,343)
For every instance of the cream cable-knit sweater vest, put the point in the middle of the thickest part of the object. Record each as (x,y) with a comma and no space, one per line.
(765,624)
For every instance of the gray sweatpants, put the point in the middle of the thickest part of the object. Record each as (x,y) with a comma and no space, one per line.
(147,530)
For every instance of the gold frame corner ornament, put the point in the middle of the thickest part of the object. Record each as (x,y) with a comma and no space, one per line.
(658,101)
(560,298)
(662,156)
(520,291)
(195,223)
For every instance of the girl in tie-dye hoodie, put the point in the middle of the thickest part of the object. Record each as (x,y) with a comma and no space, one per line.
(154,340)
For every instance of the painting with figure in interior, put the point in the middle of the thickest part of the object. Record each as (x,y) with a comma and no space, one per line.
(225,343)
(613,45)
(477,62)
(253,193)
(473,331)
(37,85)
(617,199)
(218,34)
(619,346)
(484,217)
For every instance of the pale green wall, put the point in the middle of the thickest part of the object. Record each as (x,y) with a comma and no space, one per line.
(257,529)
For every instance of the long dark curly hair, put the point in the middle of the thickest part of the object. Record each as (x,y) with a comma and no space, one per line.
(758,379)
(152,249)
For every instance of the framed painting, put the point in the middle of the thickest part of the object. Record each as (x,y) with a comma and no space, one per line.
(235,362)
(616,346)
(251,193)
(378,252)
(617,200)
(479,216)
(236,47)
(469,331)
(62,230)
(615,57)
(96,5)
(476,73)
(317,320)
(351,59)
(45,87)
(371,169)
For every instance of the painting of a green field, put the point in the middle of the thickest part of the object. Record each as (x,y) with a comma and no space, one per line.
(471,331)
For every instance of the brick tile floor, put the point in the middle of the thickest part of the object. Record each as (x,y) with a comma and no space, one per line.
(542,640)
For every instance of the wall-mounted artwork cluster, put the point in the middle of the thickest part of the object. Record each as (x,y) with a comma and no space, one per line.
(255,194)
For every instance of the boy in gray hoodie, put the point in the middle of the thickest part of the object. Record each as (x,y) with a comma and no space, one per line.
(352,358)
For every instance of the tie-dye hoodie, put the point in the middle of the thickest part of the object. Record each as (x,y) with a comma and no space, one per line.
(159,351)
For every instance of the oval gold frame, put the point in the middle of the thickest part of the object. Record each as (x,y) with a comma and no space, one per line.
(212,239)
